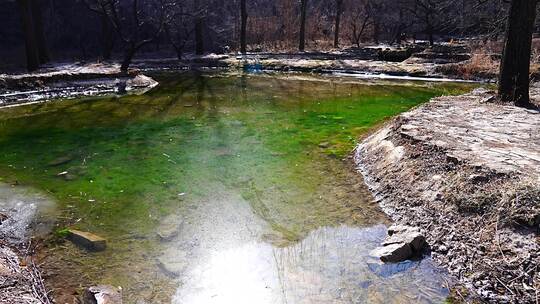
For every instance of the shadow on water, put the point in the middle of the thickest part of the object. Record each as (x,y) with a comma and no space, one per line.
(241,173)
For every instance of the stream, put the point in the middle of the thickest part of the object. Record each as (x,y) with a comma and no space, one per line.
(217,188)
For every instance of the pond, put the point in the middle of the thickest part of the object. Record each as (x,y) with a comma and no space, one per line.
(219,188)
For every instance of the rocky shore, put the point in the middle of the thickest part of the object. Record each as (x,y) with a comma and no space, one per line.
(19,282)
(70,81)
(58,81)
(466,171)
(25,216)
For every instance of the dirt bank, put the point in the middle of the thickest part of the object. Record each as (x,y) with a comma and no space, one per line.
(467,172)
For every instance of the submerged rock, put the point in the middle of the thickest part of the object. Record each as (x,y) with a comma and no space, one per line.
(388,270)
(403,243)
(60,161)
(173,262)
(102,294)
(324,145)
(169,228)
(87,240)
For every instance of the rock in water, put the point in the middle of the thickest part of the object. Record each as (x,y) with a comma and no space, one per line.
(60,161)
(87,240)
(403,243)
(393,253)
(404,234)
(102,294)
(173,262)
(169,228)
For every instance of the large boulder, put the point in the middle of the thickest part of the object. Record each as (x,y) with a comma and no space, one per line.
(102,294)
(402,243)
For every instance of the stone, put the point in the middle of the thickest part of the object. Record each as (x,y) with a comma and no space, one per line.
(402,243)
(60,161)
(324,145)
(169,228)
(411,237)
(393,253)
(87,240)
(102,294)
(173,262)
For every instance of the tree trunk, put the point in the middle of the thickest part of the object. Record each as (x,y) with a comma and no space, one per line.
(431,38)
(107,37)
(243,26)
(303,11)
(199,23)
(39,32)
(32,52)
(339,7)
(376,32)
(128,58)
(400,29)
(515,63)
(179,53)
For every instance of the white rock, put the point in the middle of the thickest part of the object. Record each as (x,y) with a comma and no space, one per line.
(102,294)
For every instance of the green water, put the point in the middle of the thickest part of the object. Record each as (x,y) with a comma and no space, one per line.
(251,165)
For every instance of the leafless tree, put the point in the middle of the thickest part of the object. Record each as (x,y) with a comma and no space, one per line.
(243,26)
(302,35)
(36,50)
(178,28)
(136,22)
(339,11)
(515,64)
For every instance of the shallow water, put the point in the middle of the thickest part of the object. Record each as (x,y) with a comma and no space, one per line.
(246,169)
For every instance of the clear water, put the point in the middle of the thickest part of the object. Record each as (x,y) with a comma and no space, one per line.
(250,170)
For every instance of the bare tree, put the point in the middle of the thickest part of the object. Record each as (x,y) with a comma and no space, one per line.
(136,22)
(34,37)
(243,26)
(37,8)
(178,28)
(107,30)
(32,53)
(360,20)
(303,12)
(515,63)
(430,14)
(339,10)
(199,27)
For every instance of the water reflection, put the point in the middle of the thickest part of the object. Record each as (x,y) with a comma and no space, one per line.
(331,265)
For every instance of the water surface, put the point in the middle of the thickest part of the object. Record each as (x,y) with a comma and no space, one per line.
(252,170)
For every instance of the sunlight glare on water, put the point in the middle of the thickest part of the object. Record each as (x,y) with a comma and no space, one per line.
(332,265)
